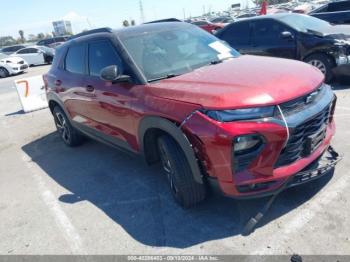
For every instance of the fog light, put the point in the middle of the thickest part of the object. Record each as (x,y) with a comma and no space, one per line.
(245,149)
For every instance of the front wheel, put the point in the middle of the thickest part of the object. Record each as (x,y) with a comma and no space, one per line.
(4,72)
(67,132)
(184,188)
(323,63)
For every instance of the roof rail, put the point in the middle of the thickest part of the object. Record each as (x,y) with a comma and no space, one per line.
(93,31)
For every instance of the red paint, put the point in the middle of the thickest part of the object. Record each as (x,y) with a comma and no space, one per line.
(246,81)
(211,27)
(26,87)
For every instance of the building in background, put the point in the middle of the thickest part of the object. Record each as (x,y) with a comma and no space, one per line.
(62,27)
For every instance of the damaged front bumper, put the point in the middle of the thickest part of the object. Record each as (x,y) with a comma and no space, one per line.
(316,169)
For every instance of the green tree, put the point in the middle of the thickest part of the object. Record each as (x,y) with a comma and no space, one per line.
(40,36)
(126,23)
(132,22)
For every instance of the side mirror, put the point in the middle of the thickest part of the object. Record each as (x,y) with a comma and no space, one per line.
(111,73)
(287,35)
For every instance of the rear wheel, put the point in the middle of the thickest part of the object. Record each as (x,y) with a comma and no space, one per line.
(323,63)
(4,72)
(67,132)
(186,191)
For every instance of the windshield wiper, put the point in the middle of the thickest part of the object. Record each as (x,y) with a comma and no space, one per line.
(215,62)
(218,61)
(163,77)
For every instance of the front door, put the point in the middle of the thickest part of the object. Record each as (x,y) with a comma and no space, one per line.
(268,39)
(109,109)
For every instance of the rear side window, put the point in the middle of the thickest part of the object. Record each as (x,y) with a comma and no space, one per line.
(102,54)
(28,51)
(237,34)
(75,58)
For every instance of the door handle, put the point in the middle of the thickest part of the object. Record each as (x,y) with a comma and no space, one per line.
(90,88)
(58,82)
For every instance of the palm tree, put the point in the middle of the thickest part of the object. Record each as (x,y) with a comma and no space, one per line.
(21,34)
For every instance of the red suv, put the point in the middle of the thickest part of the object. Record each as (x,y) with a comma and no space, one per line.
(179,96)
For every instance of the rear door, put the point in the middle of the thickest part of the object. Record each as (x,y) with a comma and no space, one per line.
(268,40)
(70,83)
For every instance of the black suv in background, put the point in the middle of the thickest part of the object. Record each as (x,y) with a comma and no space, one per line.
(53,42)
(334,12)
(293,36)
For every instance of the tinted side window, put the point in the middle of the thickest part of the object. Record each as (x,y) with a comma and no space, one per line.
(102,54)
(7,49)
(237,34)
(31,50)
(268,32)
(23,51)
(59,39)
(75,58)
(340,6)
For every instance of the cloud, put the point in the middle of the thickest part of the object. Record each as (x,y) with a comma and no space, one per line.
(74,17)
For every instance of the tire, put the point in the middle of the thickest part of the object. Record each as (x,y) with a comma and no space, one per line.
(49,60)
(186,191)
(70,136)
(324,63)
(3,72)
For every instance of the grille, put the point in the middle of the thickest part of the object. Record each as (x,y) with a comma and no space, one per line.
(301,103)
(299,145)
(23,67)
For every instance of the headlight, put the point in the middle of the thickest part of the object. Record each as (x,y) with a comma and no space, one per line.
(246,143)
(241,114)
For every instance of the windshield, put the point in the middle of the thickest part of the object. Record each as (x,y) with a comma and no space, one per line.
(305,23)
(164,52)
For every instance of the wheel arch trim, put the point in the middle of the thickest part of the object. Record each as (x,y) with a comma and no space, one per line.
(152,122)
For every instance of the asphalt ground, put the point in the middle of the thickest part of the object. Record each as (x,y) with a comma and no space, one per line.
(94,199)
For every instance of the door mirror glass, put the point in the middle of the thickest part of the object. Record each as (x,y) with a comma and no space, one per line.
(287,35)
(110,73)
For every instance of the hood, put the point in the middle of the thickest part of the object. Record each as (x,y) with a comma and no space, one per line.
(245,81)
(339,32)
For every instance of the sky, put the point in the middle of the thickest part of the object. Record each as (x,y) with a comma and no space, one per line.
(35,16)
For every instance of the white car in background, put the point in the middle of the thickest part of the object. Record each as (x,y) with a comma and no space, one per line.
(12,65)
(36,55)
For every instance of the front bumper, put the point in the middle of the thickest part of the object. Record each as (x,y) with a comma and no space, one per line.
(212,143)
(342,72)
(317,169)
(18,68)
